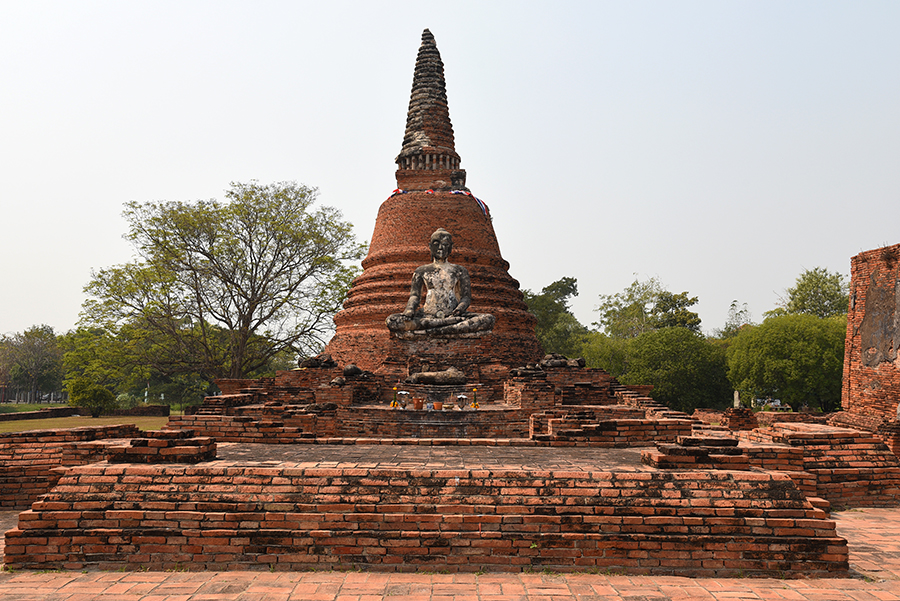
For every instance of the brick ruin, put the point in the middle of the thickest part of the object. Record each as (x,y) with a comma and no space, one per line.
(710,494)
(871,382)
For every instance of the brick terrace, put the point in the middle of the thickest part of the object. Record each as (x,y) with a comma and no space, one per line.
(407,507)
(874,536)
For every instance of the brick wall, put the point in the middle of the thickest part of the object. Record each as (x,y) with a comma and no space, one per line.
(709,416)
(164,446)
(41,414)
(539,421)
(529,394)
(357,422)
(230,517)
(767,418)
(250,429)
(739,418)
(871,382)
(28,459)
(697,452)
(889,433)
(851,468)
(388,423)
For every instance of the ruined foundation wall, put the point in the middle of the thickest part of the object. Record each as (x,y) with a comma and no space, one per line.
(214,518)
(871,387)
(28,459)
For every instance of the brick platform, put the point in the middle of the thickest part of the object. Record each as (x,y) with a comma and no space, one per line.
(851,468)
(302,514)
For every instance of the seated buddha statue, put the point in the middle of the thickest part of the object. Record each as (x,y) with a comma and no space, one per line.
(448,293)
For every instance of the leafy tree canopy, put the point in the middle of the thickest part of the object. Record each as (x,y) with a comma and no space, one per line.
(644,307)
(739,317)
(33,360)
(222,288)
(606,353)
(557,329)
(817,292)
(91,396)
(795,358)
(686,371)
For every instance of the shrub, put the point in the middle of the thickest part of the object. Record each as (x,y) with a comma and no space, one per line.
(91,396)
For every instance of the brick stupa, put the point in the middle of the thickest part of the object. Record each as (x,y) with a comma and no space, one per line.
(432,194)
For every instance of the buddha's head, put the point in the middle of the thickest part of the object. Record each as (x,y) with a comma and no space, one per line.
(441,244)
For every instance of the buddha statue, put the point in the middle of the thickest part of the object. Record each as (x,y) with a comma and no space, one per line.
(448,293)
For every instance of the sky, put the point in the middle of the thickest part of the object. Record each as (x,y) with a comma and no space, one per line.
(721,147)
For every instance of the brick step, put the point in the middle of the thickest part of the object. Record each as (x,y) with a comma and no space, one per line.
(819,503)
(238,517)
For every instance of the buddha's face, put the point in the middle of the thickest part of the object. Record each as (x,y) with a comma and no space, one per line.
(441,245)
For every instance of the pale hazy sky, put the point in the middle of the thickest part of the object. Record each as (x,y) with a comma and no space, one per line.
(722,147)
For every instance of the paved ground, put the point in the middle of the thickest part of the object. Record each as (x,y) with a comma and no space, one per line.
(431,457)
(874,536)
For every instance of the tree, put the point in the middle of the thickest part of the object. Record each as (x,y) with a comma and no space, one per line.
(739,317)
(644,307)
(91,396)
(95,354)
(5,368)
(221,288)
(795,358)
(671,311)
(817,292)
(686,371)
(606,353)
(35,360)
(557,329)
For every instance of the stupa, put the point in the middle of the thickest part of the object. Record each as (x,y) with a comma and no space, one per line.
(431,194)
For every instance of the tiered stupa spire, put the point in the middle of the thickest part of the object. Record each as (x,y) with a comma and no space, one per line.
(428,141)
(432,195)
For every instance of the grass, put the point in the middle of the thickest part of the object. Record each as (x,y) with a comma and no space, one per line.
(20,407)
(56,423)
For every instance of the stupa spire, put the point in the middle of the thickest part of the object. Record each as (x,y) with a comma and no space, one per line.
(428,144)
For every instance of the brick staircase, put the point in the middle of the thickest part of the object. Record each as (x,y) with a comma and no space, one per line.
(851,468)
(230,517)
(698,452)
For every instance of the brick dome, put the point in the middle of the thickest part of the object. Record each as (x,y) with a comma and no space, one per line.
(431,194)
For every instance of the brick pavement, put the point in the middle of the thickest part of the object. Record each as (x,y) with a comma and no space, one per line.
(430,456)
(874,536)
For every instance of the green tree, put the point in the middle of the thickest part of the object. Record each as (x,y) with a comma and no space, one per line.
(795,358)
(5,368)
(739,317)
(557,329)
(91,396)
(817,292)
(686,371)
(100,357)
(671,311)
(222,288)
(605,352)
(644,307)
(35,361)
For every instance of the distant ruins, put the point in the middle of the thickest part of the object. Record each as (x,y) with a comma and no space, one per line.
(498,460)
(871,386)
